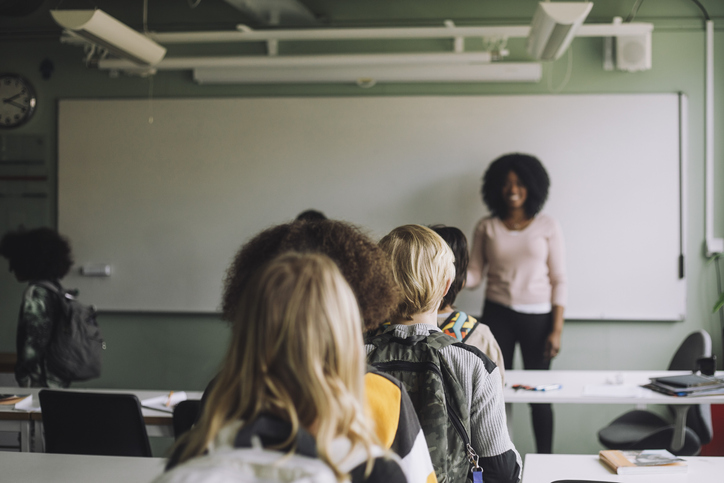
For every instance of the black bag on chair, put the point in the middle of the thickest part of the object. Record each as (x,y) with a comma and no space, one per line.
(76,345)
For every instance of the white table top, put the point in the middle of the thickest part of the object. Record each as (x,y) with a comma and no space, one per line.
(544,468)
(140,393)
(66,468)
(595,387)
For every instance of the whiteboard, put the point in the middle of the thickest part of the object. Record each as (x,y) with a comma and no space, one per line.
(168,204)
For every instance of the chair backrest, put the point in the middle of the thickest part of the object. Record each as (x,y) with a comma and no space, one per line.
(93,424)
(696,345)
(185,415)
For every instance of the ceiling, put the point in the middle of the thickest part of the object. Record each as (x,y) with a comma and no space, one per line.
(177,15)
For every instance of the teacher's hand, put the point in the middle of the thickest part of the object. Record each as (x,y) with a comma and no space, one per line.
(553,345)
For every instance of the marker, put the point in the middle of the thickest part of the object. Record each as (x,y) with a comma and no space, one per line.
(168,401)
(547,387)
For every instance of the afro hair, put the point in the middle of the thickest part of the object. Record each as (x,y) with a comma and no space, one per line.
(531,173)
(39,254)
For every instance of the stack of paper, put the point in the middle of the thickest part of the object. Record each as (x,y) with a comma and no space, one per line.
(687,385)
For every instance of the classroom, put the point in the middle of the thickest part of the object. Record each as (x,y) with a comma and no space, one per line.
(168,349)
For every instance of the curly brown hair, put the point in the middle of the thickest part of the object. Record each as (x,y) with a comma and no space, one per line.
(362,263)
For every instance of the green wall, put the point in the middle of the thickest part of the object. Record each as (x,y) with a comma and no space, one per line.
(172,351)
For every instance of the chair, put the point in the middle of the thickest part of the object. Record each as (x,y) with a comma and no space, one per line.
(93,424)
(640,429)
(185,415)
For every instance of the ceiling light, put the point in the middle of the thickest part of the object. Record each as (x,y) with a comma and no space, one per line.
(101,29)
(554,27)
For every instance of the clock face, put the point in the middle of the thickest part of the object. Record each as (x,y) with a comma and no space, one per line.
(17,101)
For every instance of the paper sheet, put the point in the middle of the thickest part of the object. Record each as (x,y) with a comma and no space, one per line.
(164,403)
(28,404)
(611,390)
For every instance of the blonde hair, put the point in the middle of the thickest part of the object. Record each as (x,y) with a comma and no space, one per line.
(296,352)
(422,263)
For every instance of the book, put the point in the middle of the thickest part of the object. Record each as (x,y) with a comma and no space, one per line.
(688,381)
(687,385)
(643,462)
(12,399)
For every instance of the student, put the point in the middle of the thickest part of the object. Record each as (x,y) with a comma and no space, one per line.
(39,255)
(460,325)
(367,270)
(293,377)
(423,267)
(522,254)
(311,215)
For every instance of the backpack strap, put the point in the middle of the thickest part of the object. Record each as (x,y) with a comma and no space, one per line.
(459,325)
(273,431)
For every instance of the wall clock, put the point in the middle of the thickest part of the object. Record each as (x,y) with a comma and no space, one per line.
(17,101)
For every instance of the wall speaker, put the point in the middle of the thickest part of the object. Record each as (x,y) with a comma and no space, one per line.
(633,53)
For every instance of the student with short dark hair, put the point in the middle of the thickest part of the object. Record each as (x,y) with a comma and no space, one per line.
(39,255)
(455,323)
(423,268)
(311,215)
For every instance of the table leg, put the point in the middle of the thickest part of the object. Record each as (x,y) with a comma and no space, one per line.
(25,436)
(38,437)
(677,442)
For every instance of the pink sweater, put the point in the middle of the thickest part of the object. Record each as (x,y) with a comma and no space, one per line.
(525,267)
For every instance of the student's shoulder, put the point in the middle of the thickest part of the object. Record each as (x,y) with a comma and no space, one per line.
(485,223)
(40,290)
(472,353)
(384,469)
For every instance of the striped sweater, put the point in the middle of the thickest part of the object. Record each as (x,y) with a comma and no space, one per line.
(481,383)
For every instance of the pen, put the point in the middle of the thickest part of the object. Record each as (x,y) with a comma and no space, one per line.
(168,401)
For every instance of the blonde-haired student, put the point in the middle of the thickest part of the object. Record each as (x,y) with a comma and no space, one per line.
(456,389)
(293,377)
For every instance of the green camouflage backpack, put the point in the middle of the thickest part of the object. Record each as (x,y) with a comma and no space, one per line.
(435,392)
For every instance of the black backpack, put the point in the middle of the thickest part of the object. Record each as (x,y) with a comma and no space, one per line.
(76,344)
(437,395)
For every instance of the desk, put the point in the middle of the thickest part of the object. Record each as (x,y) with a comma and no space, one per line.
(545,468)
(68,468)
(158,423)
(574,382)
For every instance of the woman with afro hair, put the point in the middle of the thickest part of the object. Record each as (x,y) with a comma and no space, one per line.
(39,255)
(521,252)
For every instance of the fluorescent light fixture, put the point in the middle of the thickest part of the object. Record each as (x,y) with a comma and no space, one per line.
(369,75)
(554,27)
(363,69)
(101,29)
(275,12)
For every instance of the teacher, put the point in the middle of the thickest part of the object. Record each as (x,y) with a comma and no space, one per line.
(522,253)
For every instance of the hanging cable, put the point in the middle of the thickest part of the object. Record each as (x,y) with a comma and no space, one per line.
(566,78)
(634,11)
(150,98)
(145,17)
(719,291)
(703,10)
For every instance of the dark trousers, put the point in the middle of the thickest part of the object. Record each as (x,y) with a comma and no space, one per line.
(531,331)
